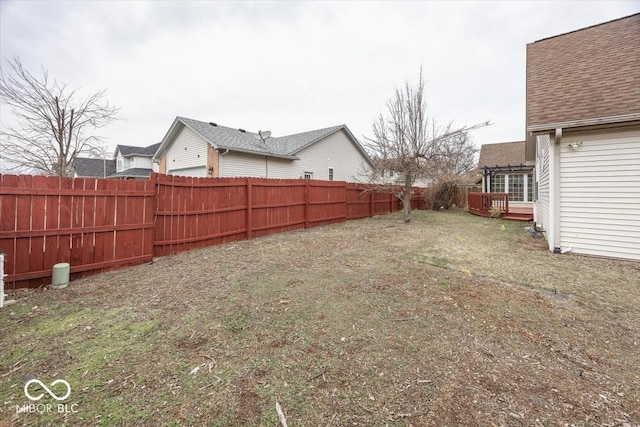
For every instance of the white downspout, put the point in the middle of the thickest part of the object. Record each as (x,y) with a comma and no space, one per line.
(221,163)
(553,233)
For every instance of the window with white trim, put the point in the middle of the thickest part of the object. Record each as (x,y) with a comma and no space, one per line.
(516,188)
(330,174)
(308,175)
(519,186)
(497,184)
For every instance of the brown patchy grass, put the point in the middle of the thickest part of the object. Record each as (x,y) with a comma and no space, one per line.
(449,320)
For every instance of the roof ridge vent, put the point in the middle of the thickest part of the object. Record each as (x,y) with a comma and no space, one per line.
(242,130)
(213,124)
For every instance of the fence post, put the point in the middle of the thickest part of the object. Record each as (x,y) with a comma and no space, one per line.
(371,205)
(306,203)
(249,208)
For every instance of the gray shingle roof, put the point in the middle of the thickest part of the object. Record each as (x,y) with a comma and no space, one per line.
(234,139)
(502,154)
(93,168)
(132,173)
(130,150)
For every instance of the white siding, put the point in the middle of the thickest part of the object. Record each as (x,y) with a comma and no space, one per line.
(121,163)
(187,151)
(281,169)
(198,172)
(542,178)
(235,164)
(140,162)
(600,194)
(337,152)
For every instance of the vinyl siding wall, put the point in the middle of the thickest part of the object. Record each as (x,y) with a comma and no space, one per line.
(187,151)
(140,162)
(337,152)
(600,193)
(235,164)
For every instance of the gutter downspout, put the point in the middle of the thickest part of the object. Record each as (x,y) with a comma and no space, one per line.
(554,188)
(221,162)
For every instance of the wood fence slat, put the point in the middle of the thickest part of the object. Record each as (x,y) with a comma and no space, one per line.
(23,222)
(98,224)
(38,219)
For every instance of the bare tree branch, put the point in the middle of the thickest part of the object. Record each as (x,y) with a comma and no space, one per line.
(54,125)
(408,144)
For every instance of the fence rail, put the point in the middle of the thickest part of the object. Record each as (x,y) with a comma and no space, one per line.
(488,204)
(99,224)
(93,224)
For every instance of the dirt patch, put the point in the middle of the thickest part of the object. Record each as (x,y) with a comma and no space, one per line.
(449,320)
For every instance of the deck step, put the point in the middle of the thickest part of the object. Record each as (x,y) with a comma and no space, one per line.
(518,217)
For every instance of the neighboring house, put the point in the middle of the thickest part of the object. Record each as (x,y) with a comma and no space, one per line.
(504,171)
(128,162)
(134,162)
(93,168)
(200,149)
(583,133)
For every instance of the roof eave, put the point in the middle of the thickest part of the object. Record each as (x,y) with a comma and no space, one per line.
(584,123)
(576,125)
(259,153)
(167,139)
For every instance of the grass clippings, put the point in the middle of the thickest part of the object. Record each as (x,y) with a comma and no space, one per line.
(449,320)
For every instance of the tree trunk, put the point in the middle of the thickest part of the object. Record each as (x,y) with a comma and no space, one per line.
(406,201)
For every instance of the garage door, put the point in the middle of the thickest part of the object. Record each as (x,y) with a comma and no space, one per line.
(600,195)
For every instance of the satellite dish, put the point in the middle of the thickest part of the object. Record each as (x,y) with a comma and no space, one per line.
(263,135)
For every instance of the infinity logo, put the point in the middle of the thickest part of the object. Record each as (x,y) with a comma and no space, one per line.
(52,394)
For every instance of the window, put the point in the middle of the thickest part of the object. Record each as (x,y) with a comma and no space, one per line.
(497,184)
(519,186)
(330,174)
(119,166)
(308,175)
(516,188)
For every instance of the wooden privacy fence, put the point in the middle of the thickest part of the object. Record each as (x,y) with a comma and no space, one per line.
(93,224)
(100,224)
(198,212)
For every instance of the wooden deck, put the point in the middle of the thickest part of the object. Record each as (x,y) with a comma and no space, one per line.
(497,204)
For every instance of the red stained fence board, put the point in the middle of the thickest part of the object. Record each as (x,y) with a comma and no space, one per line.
(49,220)
(101,224)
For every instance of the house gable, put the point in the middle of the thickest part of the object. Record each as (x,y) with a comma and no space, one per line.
(337,152)
(187,151)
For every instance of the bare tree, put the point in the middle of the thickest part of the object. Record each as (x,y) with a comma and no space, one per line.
(409,145)
(54,124)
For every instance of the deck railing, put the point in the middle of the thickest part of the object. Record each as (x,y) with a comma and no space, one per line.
(486,204)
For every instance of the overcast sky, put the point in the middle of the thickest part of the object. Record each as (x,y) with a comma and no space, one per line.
(291,67)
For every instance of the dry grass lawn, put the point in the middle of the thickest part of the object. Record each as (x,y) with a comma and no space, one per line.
(449,320)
